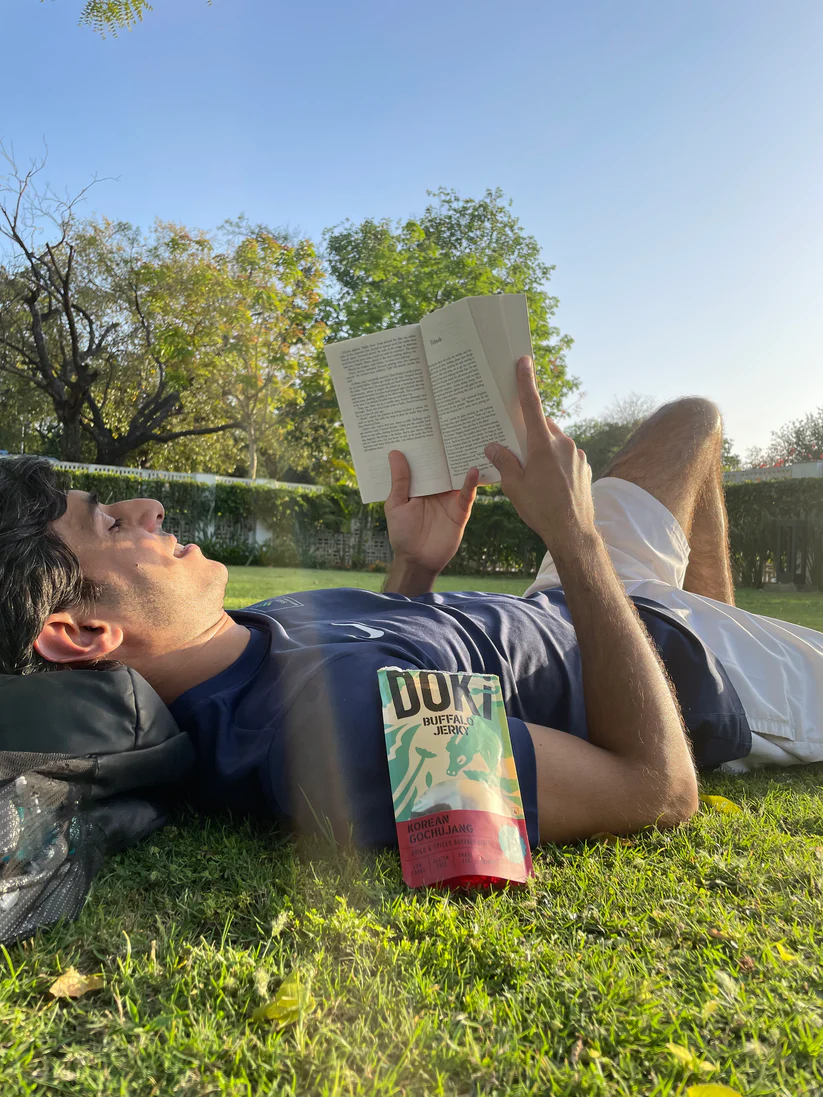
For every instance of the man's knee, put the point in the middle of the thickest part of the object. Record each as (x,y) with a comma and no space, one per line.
(697,413)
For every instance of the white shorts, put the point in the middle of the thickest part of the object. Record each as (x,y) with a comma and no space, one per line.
(776,667)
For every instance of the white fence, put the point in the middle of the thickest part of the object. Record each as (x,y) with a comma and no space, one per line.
(800,471)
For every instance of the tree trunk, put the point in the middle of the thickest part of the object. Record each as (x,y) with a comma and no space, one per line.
(252,455)
(71,441)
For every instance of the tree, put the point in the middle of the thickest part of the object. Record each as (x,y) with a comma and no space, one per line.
(111,328)
(602,438)
(27,423)
(109,16)
(271,334)
(729,459)
(386,274)
(798,441)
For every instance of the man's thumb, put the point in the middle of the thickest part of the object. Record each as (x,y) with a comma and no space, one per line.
(503,459)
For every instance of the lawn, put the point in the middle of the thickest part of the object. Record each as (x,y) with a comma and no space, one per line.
(247,585)
(642,968)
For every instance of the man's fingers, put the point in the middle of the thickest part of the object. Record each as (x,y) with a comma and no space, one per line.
(530,399)
(400,478)
(469,489)
(503,460)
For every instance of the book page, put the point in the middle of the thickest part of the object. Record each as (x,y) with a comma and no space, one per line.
(502,322)
(386,400)
(469,406)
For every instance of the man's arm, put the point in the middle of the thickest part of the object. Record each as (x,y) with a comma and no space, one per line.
(636,769)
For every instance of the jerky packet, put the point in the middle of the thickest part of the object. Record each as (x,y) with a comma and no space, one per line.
(460,819)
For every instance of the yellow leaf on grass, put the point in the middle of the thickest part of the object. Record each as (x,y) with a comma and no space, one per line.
(689,1059)
(71,984)
(681,1053)
(785,954)
(611,839)
(720,803)
(711,1089)
(291,1003)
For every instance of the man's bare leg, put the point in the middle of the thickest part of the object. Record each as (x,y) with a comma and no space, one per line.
(675,455)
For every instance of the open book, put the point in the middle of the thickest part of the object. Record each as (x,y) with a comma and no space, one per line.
(439,391)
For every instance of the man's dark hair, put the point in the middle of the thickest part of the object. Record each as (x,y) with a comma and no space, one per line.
(39,573)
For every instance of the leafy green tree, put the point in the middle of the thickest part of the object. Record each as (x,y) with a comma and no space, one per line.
(271,334)
(111,328)
(27,423)
(109,16)
(390,273)
(602,438)
(729,458)
(798,441)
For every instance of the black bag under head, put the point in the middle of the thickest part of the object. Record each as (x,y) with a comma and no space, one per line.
(90,763)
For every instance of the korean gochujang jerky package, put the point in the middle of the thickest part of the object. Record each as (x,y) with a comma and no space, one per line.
(460,819)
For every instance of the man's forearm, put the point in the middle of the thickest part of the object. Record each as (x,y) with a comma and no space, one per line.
(630,707)
(408,578)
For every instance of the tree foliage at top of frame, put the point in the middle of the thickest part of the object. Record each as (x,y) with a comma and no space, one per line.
(112,15)
(109,16)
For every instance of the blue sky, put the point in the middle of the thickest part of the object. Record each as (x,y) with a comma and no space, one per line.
(668,156)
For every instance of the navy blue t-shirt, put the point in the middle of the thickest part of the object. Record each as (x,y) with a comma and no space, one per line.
(294,726)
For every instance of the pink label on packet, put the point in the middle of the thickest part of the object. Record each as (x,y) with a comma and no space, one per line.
(457,803)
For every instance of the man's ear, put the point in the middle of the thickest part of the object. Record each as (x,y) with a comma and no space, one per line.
(65,640)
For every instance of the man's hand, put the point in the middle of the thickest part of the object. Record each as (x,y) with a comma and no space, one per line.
(425,532)
(552,492)
(635,770)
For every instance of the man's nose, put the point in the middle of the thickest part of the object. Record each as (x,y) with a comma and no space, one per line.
(148,513)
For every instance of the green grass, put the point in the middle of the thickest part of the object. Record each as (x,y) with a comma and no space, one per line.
(710,938)
(247,585)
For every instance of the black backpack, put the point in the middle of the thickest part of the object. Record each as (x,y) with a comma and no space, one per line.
(91,762)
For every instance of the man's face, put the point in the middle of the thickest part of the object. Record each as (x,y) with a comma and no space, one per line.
(157,590)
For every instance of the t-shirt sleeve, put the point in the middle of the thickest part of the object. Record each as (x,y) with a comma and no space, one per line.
(327,769)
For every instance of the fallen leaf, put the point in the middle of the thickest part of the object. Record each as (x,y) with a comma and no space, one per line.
(682,1054)
(611,839)
(291,1003)
(719,935)
(574,1054)
(689,1059)
(711,1089)
(746,963)
(71,984)
(720,803)
(785,955)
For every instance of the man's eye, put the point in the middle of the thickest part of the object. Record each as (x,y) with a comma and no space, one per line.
(116,524)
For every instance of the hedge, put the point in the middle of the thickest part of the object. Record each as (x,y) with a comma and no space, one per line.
(753,509)
(496,541)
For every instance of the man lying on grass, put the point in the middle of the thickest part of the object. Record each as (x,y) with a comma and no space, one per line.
(282,701)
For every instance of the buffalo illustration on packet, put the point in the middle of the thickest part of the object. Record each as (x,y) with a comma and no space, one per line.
(457,803)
